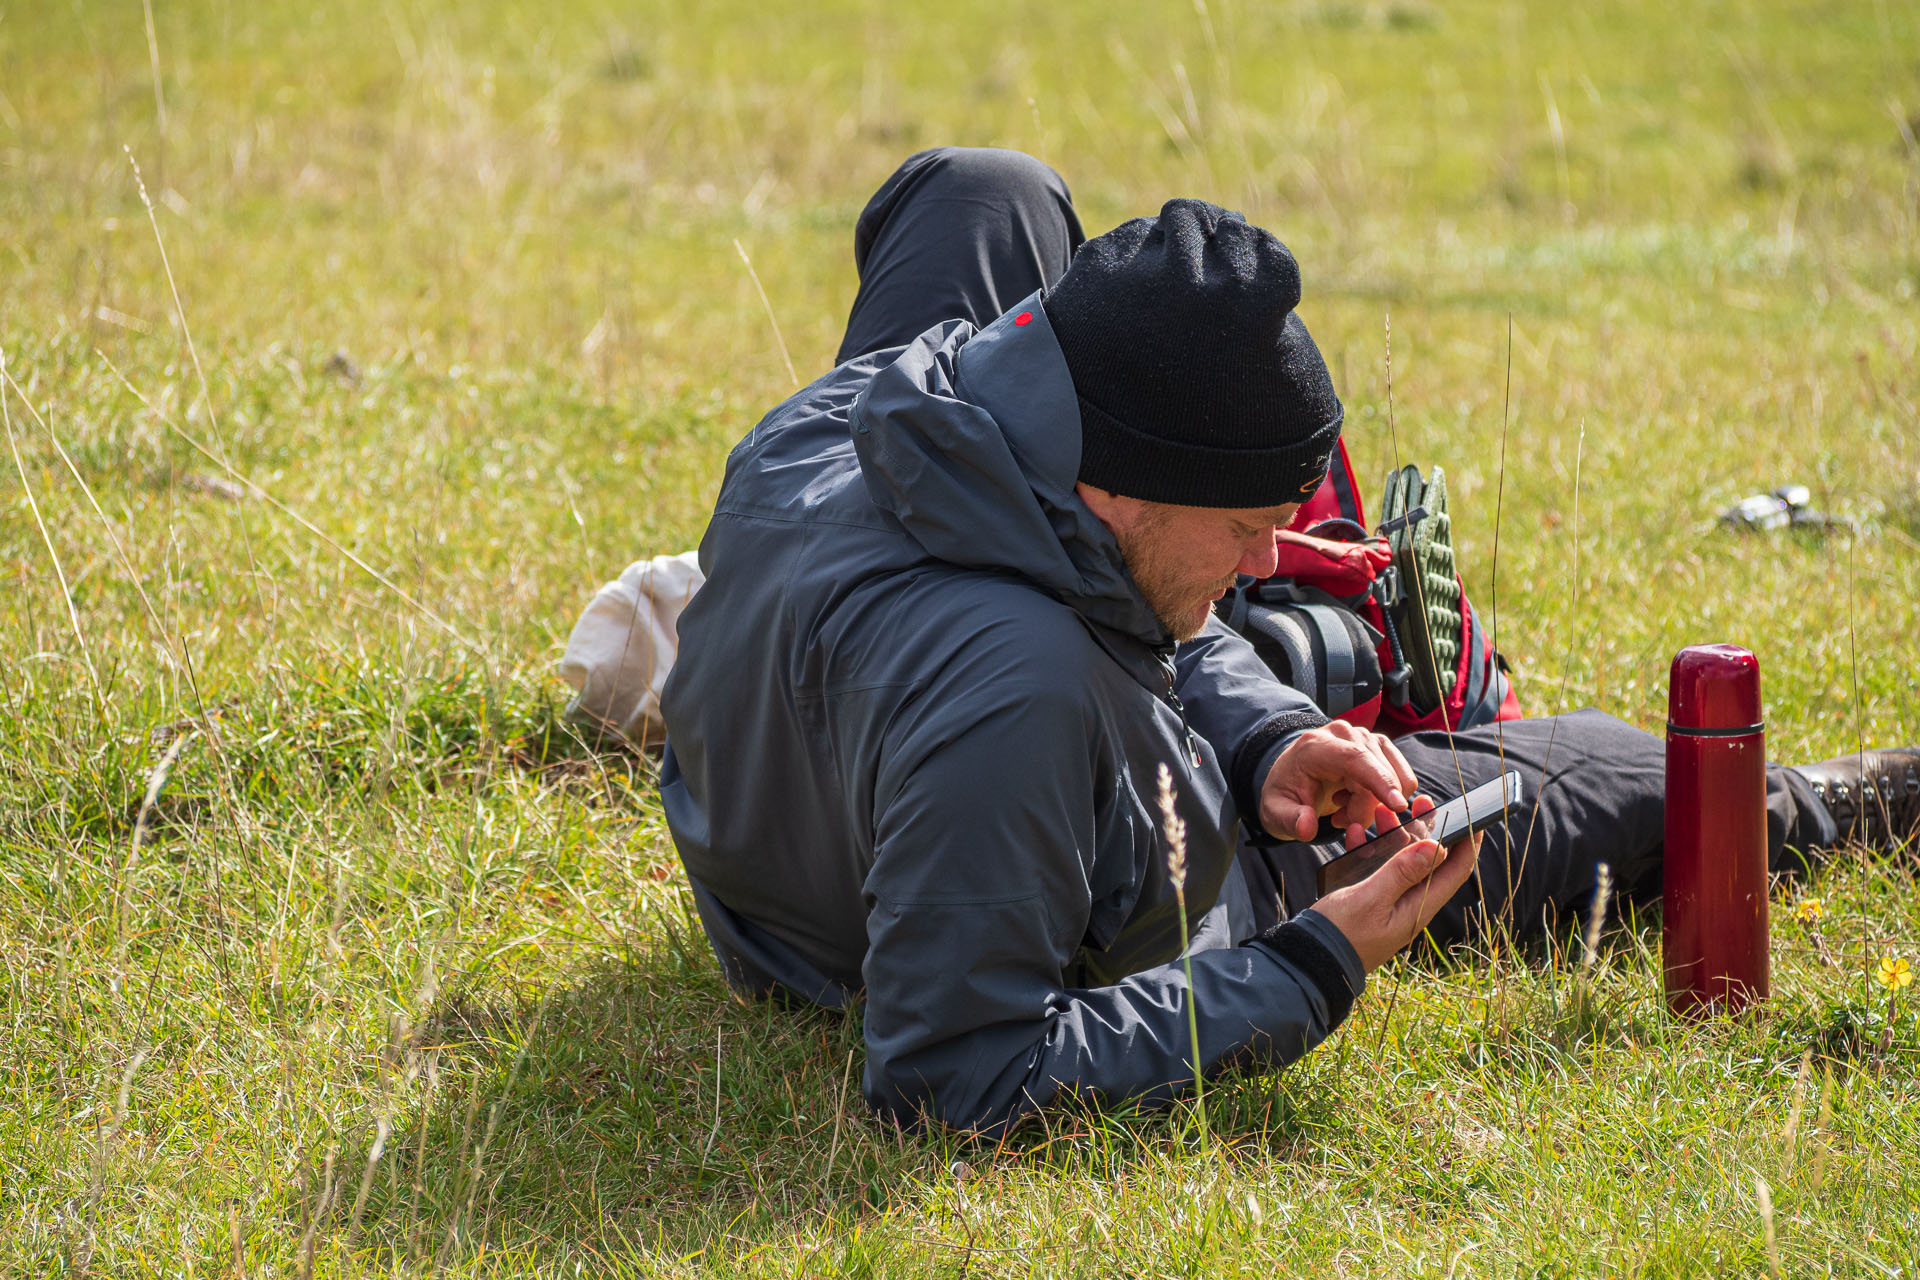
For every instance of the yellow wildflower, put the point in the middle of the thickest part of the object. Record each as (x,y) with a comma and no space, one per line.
(1810,911)
(1895,972)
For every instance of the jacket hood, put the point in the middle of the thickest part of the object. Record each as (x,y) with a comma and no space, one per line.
(971,439)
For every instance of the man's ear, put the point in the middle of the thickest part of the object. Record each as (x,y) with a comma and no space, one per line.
(1116,511)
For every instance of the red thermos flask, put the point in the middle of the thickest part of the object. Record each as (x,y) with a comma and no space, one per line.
(1715,882)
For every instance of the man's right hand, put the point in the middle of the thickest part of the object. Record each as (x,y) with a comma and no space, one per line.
(1387,910)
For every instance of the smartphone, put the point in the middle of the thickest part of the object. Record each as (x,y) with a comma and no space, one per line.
(1451,823)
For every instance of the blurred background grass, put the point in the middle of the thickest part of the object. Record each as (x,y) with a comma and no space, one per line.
(464,286)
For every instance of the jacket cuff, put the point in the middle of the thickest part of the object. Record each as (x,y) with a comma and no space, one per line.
(1257,754)
(1314,945)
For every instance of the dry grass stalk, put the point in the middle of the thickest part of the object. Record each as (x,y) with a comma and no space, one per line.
(1764,1194)
(1175,829)
(156,782)
(290,513)
(193,352)
(1597,914)
(771,318)
(66,590)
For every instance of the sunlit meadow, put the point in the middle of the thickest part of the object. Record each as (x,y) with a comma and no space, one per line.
(331,949)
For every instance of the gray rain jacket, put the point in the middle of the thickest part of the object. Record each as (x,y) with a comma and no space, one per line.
(913,732)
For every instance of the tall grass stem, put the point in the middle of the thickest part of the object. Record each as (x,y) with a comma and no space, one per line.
(772,319)
(1175,829)
(40,523)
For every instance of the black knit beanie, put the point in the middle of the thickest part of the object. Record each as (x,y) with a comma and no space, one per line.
(1197,383)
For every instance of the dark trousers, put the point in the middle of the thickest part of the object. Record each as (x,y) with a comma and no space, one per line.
(1598,789)
(962,233)
(957,233)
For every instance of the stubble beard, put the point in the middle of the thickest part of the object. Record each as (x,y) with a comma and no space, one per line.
(1182,605)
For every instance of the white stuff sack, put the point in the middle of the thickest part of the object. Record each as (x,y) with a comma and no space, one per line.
(622,648)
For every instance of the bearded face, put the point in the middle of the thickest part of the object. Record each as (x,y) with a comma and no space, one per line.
(1184,558)
(1180,592)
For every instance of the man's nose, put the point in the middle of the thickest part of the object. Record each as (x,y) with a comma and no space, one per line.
(1262,557)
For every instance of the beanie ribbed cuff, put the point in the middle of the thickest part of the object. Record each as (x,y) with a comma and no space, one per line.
(1122,460)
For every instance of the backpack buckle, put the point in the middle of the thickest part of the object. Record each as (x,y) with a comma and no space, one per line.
(1412,517)
(1397,684)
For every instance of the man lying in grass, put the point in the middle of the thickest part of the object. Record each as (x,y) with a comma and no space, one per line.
(959,612)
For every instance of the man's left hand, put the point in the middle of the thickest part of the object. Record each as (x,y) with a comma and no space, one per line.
(1338,770)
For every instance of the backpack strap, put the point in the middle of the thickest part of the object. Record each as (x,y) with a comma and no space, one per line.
(1338,529)
(1284,630)
(1236,603)
(1320,639)
(1487,685)
(1336,682)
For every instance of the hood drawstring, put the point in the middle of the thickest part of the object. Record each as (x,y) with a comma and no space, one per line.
(1173,700)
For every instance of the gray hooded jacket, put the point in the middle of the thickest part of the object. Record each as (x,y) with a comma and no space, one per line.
(913,734)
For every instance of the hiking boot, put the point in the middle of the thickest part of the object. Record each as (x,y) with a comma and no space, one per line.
(1874,796)
(1424,613)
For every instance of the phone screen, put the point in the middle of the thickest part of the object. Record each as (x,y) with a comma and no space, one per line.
(1451,823)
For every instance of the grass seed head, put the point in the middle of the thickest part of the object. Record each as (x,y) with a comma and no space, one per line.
(1175,828)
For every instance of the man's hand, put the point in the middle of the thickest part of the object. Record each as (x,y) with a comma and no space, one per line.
(1338,769)
(1387,910)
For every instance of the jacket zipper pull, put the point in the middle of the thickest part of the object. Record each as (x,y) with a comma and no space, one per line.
(1193,742)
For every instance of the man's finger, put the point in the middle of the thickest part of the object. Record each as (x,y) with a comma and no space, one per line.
(1401,769)
(1359,806)
(1363,768)
(1282,816)
(1450,870)
(1412,865)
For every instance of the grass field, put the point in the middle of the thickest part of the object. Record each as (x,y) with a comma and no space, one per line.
(392,976)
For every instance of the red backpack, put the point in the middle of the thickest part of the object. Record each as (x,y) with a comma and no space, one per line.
(1375,627)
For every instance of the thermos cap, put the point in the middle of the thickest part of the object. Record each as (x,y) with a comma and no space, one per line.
(1715,687)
